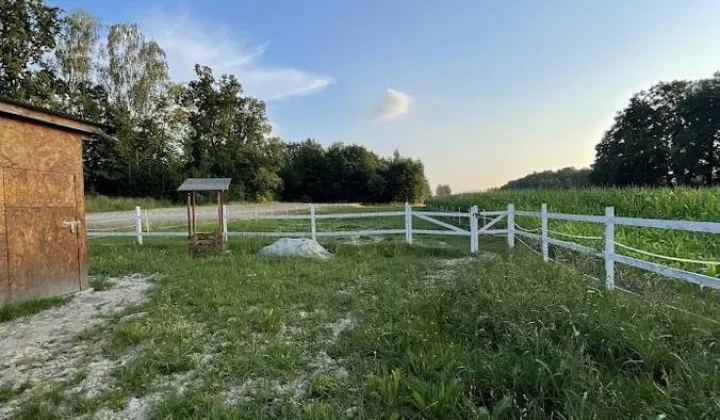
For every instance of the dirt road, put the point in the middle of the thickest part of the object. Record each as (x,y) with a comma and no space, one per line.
(179,214)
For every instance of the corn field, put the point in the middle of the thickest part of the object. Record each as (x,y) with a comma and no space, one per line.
(677,204)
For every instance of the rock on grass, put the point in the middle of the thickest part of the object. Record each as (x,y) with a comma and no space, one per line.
(303,248)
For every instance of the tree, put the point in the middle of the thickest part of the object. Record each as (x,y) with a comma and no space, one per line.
(696,147)
(633,151)
(75,51)
(443,190)
(27,30)
(229,136)
(668,135)
(406,180)
(304,174)
(136,73)
(638,148)
(350,173)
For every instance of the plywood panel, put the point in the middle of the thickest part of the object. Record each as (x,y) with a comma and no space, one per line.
(38,189)
(31,146)
(43,255)
(82,235)
(4,276)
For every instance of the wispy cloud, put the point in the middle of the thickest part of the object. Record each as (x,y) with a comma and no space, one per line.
(395,105)
(188,42)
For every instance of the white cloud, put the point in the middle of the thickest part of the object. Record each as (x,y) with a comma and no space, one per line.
(187,42)
(395,105)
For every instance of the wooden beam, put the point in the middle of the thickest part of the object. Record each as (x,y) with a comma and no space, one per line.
(48,118)
(189,219)
(220,211)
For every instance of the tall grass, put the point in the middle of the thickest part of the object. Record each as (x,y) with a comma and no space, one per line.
(101,203)
(654,203)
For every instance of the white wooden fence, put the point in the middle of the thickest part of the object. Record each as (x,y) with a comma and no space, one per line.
(490,218)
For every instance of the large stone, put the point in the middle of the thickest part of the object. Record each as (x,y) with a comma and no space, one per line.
(303,248)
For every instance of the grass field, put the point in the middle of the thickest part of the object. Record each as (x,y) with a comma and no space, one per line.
(386,330)
(679,204)
(101,203)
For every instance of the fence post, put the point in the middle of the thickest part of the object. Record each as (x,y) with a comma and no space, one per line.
(226,218)
(474,241)
(147,221)
(511,225)
(138,225)
(313,230)
(408,224)
(544,232)
(609,248)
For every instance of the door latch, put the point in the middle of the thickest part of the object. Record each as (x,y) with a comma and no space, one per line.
(74,225)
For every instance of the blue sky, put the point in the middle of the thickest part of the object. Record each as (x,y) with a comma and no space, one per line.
(481,91)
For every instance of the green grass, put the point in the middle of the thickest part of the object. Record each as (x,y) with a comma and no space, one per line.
(503,338)
(16,310)
(100,283)
(101,203)
(679,204)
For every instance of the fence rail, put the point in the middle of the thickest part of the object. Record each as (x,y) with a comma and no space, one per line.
(141,227)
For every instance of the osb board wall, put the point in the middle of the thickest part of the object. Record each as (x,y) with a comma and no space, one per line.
(25,188)
(82,233)
(4,276)
(25,145)
(41,170)
(43,260)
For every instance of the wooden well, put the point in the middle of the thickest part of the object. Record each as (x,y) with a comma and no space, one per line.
(207,242)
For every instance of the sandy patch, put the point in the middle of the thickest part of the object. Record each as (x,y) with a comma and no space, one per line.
(341,325)
(41,350)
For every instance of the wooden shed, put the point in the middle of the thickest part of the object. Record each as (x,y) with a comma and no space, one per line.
(42,211)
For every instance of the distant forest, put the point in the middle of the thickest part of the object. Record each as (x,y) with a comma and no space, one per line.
(164,131)
(563,178)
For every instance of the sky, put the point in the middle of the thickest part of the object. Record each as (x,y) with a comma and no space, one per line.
(481,91)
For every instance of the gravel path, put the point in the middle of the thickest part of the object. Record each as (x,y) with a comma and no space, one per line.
(179,214)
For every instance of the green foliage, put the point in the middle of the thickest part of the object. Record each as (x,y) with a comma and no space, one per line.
(666,136)
(562,178)
(229,135)
(74,53)
(100,203)
(27,29)
(350,173)
(443,190)
(100,283)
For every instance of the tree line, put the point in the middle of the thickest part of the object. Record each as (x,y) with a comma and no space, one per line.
(165,131)
(563,178)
